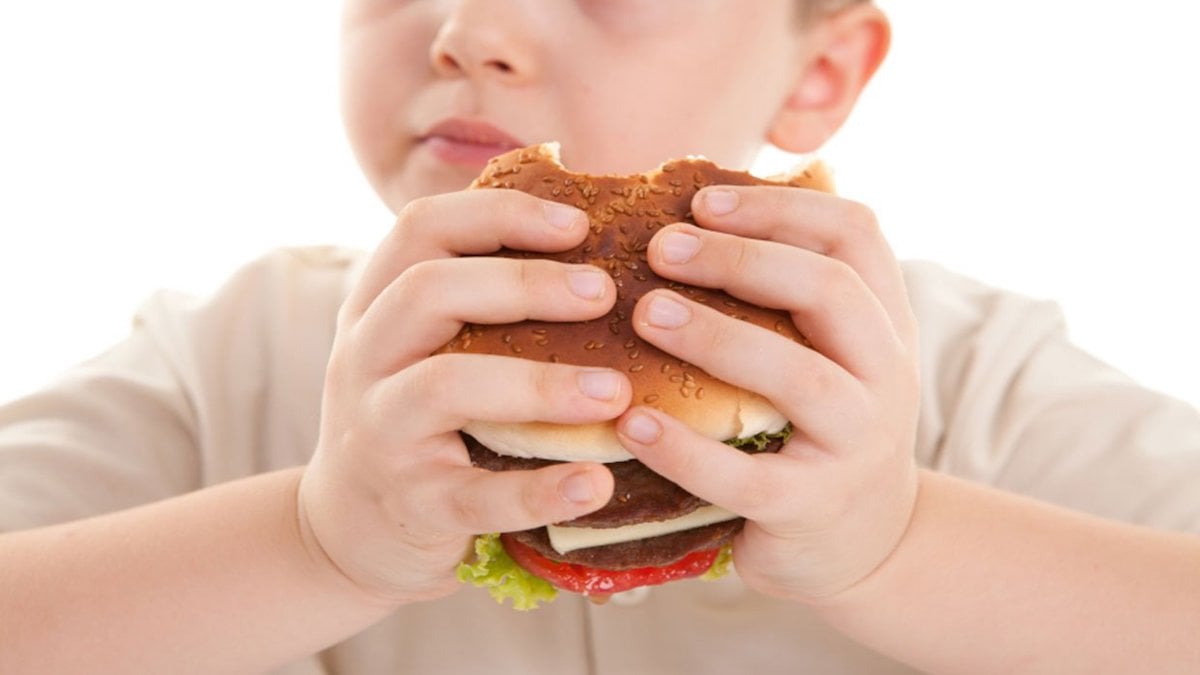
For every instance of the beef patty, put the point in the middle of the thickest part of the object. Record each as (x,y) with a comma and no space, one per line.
(639,494)
(651,552)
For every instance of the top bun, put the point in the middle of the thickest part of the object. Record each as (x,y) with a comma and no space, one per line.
(625,212)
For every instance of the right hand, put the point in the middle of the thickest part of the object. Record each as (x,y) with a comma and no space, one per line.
(390,498)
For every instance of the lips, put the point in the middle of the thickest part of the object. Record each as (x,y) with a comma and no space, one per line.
(466,142)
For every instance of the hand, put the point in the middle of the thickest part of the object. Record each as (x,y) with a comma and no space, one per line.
(833,503)
(390,497)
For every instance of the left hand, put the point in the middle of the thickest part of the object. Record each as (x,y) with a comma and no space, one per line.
(834,502)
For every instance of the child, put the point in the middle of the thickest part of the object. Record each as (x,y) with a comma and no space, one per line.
(292,481)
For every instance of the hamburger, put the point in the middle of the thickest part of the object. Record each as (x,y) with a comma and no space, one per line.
(651,531)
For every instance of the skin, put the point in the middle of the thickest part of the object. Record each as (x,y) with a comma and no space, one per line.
(841,520)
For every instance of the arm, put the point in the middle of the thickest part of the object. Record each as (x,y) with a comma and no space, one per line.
(985,581)
(251,574)
(924,568)
(219,580)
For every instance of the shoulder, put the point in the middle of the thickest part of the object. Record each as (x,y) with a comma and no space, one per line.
(946,300)
(279,279)
(975,340)
(966,323)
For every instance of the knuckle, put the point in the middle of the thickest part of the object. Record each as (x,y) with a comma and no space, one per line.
(837,281)
(680,464)
(517,210)
(432,380)
(530,500)
(348,316)
(746,256)
(466,510)
(528,277)
(757,501)
(723,335)
(811,378)
(543,381)
(419,280)
(412,214)
(859,221)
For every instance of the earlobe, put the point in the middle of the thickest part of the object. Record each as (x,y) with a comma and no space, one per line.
(843,52)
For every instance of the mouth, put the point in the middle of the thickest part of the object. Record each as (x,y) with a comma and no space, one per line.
(465,142)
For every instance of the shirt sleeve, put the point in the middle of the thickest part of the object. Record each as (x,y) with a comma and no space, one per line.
(200,392)
(1011,402)
(111,433)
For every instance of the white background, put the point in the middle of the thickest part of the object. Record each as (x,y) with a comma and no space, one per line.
(1049,147)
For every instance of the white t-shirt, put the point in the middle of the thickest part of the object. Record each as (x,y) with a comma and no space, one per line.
(206,391)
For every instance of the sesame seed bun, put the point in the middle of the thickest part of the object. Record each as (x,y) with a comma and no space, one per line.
(624,212)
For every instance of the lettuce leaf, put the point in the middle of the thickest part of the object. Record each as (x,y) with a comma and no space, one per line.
(759,442)
(493,569)
(720,566)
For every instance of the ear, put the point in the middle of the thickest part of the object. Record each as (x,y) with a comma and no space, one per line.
(842,50)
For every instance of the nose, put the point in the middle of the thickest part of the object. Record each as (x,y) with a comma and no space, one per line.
(485,39)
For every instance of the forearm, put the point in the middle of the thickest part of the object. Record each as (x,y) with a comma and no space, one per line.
(985,581)
(215,581)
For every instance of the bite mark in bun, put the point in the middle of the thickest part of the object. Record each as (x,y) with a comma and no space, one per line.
(624,213)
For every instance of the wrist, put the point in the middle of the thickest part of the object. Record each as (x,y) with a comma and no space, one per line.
(890,543)
(324,568)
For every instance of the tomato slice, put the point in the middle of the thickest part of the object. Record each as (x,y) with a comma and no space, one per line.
(594,581)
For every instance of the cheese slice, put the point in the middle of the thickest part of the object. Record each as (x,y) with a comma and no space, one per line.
(567,539)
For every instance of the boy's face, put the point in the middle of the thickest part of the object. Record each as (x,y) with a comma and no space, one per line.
(430,87)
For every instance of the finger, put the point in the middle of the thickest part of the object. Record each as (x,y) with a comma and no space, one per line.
(405,324)
(817,221)
(828,301)
(469,500)
(467,222)
(442,393)
(812,391)
(755,486)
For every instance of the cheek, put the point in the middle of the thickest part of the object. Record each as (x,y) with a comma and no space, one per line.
(380,77)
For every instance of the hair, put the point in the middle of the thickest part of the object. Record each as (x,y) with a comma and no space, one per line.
(807,10)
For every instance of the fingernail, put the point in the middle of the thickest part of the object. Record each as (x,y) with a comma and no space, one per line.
(562,216)
(667,313)
(577,488)
(642,428)
(679,247)
(587,284)
(720,202)
(602,385)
